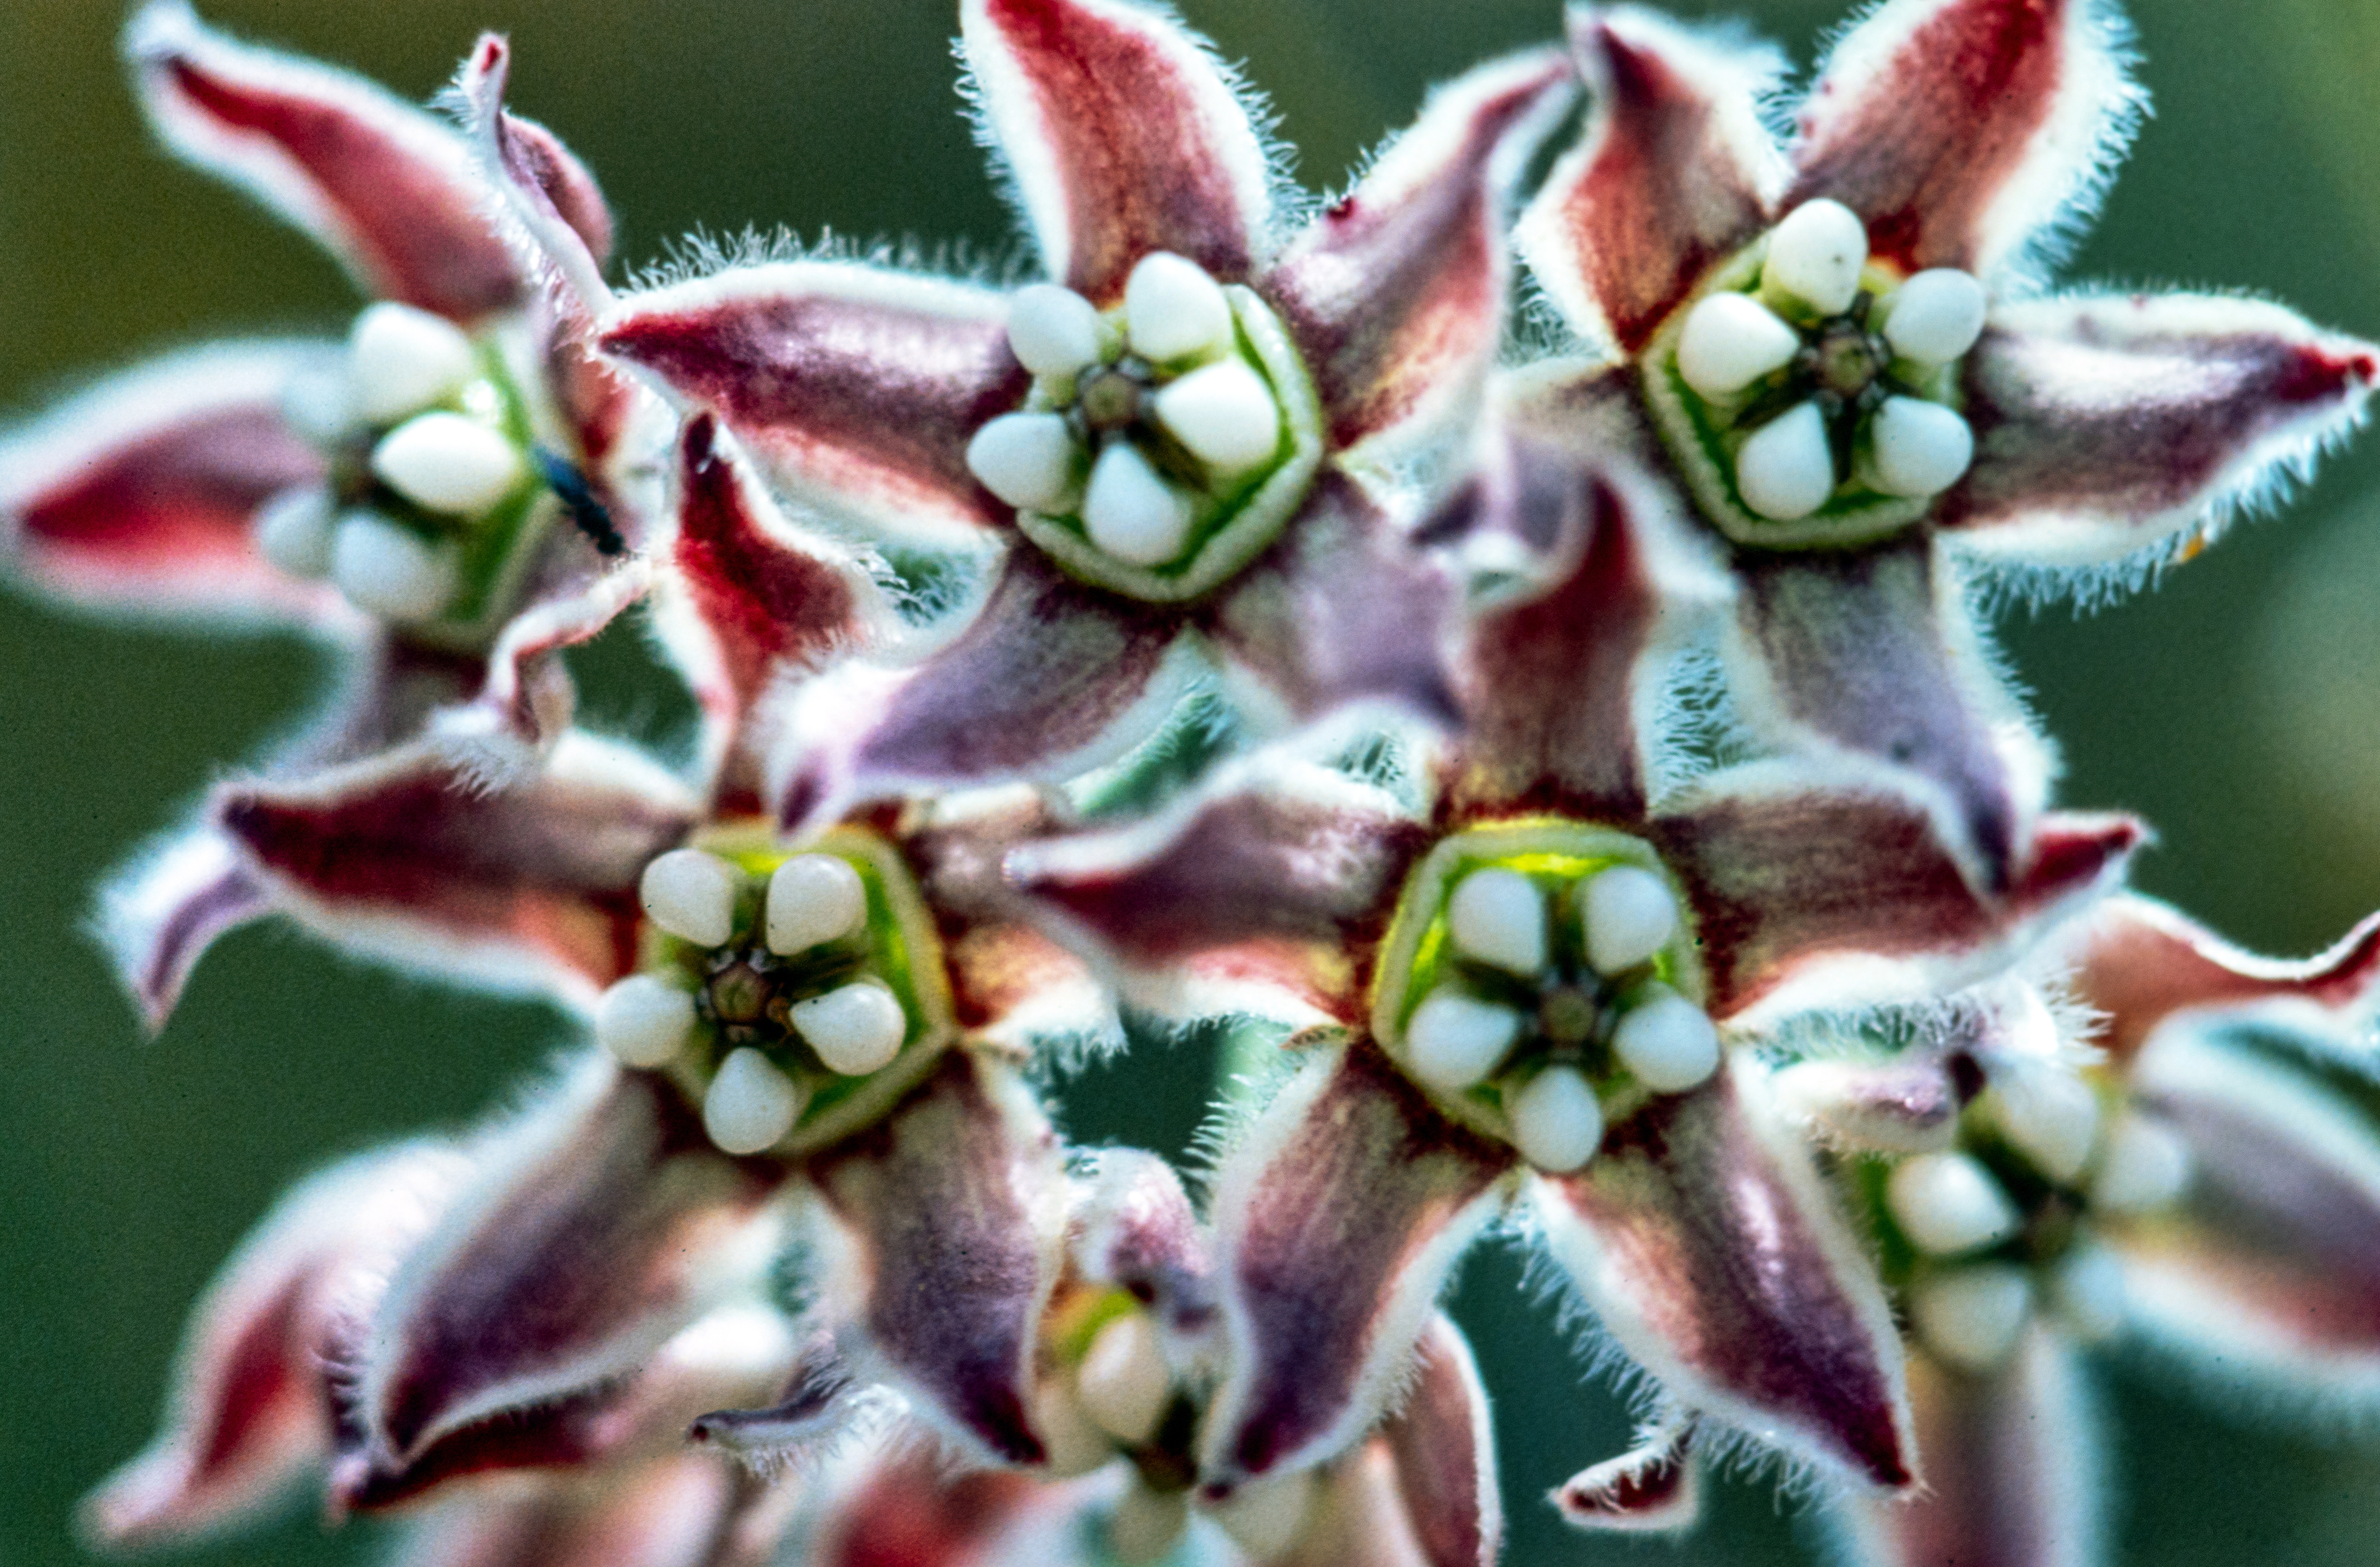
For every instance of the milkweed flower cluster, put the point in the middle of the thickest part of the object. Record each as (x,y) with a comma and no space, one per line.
(1619,834)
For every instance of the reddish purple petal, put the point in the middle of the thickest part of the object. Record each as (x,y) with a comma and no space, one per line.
(393,192)
(403,856)
(1279,875)
(1445,1454)
(1122,135)
(162,915)
(856,389)
(527,700)
(1675,174)
(1051,678)
(542,171)
(1871,651)
(1396,293)
(1960,129)
(1345,611)
(692,1510)
(1339,1214)
(605,1224)
(1135,1229)
(909,1511)
(2011,1471)
(1804,889)
(956,1204)
(250,1413)
(139,494)
(2268,1283)
(2108,424)
(1655,1489)
(1709,1249)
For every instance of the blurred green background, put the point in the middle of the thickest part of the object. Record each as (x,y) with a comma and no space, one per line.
(2236,707)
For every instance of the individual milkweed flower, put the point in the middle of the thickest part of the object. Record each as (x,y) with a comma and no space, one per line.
(445,499)
(1840,351)
(1526,989)
(2208,1184)
(1164,439)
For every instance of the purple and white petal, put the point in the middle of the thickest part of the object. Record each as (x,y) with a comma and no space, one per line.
(1339,1213)
(554,196)
(1124,135)
(250,1410)
(604,1222)
(1711,1252)
(1969,133)
(1133,1228)
(1676,172)
(387,188)
(142,492)
(160,914)
(856,389)
(2011,1471)
(2106,425)
(1814,887)
(1871,652)
(1050,679)
(403,856)
(1444,1449)
(526,703)
(956,1206)
(1656,1488)
(1396,293)
(686,1510)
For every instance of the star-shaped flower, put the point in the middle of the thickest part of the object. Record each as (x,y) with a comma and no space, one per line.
(1172,435)
(1527,987)
(1841,352)
(445,499)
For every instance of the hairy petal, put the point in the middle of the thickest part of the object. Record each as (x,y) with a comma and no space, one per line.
(1052,677)
(957,1203)
(1396,293)
(606,1224)
(1871,652)
(2011,1470)
(1444,1449)
(1123,135)
(687,1510)
(1675,173)
(139,494)
(554,195)
(1134,1227)
(388,190)
(249,1411)
(2107,424)
(1811,887)
(1960,130)
(856,388)
(1654,1489)
(2268,1283)
(160,914)
(1338,1214)
(401,856)
(1708,1247)
(526,702)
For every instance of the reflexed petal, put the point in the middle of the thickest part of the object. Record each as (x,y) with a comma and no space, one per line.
(1287,867)
(1396,293)
(1708,1248)
(1445,1454)
(522,710)
(1345,610)
(2011,1471)
(693,1511)
(1872,652)
(858,389)
(2108,424)
(1967,132)
(554,195)
(1768,852)
(1123,136)
(250,1411)
(390,190)
(1136,1229)
(906,1509)
(1338,1214)
(1675,172)
(956,1202)
(1654,1489)
(160,914)
(140,494)
(400,856)
(605,1224)
(2140,962)
(1050,679)
(1558,680)
(2268,1283)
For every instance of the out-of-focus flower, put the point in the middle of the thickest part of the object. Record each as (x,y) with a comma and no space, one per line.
(1523,986)
(446,499)
(1843,354)
(1176,434)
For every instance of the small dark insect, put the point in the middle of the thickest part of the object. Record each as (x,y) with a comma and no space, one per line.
(586,514)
